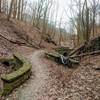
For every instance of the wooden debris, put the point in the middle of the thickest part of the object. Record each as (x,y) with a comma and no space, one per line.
(61,59)
(90,48)
(19,42)
(86,54)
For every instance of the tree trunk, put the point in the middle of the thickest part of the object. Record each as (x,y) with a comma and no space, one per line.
(10,11)
(22,5)
(19,9)
(0,5)
(15,9)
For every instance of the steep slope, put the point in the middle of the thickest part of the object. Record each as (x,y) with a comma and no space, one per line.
(21,34)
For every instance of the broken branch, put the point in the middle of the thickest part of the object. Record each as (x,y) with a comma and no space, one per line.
(86,54)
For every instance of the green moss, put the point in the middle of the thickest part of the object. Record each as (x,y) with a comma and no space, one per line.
(9,86)
(16,74)
(17,77)
(63,50)
(1,93)
(53,55)
(17,63)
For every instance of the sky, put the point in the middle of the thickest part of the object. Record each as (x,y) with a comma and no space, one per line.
(64,13)
(62,6)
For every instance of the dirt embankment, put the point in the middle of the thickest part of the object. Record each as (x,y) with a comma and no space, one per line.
(18,31)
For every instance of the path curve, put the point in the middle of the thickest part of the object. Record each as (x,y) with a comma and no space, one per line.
(37,82)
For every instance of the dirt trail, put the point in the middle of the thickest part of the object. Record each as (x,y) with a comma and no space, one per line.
(43,84)
(53,82)
(34,85)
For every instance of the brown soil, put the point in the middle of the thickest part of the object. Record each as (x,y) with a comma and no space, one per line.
(49,81)
(9,30)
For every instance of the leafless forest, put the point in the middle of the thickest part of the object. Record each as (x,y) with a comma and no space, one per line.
(45,55)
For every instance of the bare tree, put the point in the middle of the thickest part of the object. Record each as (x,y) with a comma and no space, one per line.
(10,10)
(0,5)
(39,11)
(22,8)
(19,10)
(84,19)
(60,30)
(15,9)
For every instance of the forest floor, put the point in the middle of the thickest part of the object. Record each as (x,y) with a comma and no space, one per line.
(49,80)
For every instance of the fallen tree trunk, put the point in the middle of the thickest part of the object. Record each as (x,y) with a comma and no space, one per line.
(91,46)
(74,61)
(62,50)
(86,54)
(52,56)
(76,49)
(19,42)
(61,59)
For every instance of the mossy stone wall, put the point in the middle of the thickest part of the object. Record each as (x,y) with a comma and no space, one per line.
(16,78)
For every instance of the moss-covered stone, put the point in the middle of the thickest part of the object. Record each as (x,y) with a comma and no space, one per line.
(9,60)
(17,77)
(9,86)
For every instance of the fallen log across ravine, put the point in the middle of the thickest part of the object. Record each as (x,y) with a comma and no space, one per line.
(72,57)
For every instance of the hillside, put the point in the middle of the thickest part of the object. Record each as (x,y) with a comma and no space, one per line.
(49,49)
(19,33)
(49,80)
